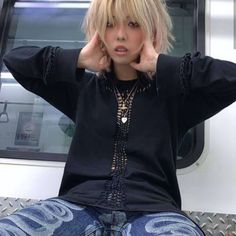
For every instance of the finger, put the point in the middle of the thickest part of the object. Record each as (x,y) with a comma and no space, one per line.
(104,63)
(150,46)
(102,46)
(102,60)
(95,40)
(100,42)
(108,67)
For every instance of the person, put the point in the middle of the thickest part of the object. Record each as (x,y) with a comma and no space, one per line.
(131,104)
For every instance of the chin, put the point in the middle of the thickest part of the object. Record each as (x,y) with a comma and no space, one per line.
(124,60)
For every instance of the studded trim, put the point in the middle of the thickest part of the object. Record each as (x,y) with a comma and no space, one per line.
(145,82)
(114,194)
(49,66)
(185,70)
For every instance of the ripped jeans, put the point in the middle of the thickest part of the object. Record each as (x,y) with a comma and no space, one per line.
(58,217)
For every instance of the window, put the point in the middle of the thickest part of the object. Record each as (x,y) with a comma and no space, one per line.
(30,127)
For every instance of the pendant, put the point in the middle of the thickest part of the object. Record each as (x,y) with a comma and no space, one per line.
(124,119)
(123,106)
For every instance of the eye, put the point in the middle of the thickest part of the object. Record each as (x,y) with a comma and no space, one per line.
(109,25)
(133,24)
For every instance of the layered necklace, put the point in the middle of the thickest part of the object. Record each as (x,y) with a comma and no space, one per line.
(125,103)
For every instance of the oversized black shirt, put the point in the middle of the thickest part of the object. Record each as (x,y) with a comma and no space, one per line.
(183,92)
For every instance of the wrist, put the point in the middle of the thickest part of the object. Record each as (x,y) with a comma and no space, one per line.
(154,64)
(80,60)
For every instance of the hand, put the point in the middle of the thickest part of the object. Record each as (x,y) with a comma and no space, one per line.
(94,56)
(148,58)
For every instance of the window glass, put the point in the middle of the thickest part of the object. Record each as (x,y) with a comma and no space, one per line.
(30,127)
(183,30)
(28,123)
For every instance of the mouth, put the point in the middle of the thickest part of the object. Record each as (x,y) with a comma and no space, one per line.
(121,50)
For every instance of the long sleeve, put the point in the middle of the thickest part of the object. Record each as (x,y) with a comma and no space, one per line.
(202,85)
(49,72)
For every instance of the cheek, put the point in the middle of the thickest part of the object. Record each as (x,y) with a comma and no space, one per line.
(138,44)
(138,41)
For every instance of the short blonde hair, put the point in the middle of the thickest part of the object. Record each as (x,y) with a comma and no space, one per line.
(151,15)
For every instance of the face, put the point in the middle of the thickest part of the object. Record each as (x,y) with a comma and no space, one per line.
(124,41)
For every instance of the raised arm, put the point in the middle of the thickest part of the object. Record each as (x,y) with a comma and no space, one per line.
(203,85)
(57,74)
(50,72)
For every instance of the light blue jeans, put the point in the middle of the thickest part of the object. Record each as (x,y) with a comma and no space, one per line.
(59,217)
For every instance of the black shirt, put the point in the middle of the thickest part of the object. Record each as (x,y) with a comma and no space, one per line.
(131,166)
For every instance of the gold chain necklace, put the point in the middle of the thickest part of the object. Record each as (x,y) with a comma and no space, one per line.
(126,103)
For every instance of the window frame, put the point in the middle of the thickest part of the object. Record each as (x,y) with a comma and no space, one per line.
(199,45)
(6,10)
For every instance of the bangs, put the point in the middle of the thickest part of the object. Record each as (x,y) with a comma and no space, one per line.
(151,15)
(103,11)
(119,10)
(140,11)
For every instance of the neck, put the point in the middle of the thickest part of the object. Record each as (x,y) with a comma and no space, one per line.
(125,72)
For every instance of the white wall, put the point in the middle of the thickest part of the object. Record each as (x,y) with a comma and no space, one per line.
(29,179)
(211,186)
(21,178)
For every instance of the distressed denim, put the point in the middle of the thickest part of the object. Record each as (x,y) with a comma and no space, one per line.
(59,217)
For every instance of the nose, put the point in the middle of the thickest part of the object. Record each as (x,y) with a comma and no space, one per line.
(121,33)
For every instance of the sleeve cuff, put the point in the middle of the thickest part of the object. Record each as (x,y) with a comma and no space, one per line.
(65,67)
(168,75)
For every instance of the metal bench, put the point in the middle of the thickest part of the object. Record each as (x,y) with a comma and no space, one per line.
(212,224)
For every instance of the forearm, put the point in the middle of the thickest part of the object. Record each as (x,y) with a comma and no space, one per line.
(49,72)
(190,73)
(47,65)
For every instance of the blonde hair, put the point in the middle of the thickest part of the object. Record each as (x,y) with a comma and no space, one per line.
(151,15)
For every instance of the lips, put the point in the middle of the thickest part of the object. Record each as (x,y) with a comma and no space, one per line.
(121,49)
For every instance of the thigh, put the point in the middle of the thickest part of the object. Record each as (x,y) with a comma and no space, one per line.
(162,224)
(51,217)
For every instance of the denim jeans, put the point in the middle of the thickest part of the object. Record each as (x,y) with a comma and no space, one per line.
(58,217)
